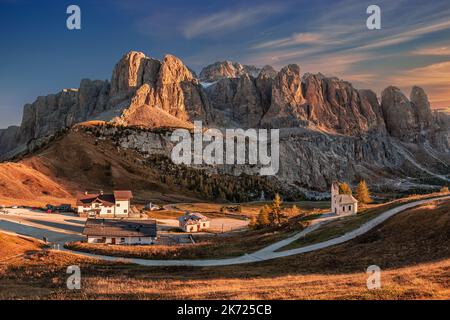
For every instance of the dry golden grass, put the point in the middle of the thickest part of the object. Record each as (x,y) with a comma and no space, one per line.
(22,185)
(103,167)
(412,249)
(11,246)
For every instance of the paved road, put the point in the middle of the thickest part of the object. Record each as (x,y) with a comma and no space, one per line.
(269,253)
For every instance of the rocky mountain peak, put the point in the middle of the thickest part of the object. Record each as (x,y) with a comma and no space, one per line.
(173,70)
(409,120)
(267,72)
(226,69)
(127,73)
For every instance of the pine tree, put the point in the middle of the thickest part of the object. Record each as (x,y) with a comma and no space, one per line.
(276,212)
(263,217)
(344,188)
(362,193)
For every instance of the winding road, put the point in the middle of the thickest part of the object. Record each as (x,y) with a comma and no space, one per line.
(267,253)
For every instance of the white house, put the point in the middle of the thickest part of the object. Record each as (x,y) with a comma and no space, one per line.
(115,205)
(193,222)
(342,204)
(125,232)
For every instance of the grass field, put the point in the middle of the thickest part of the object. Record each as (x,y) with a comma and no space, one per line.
(412,249)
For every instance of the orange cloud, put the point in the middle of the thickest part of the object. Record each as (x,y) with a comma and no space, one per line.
(434,78)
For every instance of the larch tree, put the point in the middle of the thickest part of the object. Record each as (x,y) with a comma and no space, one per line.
(263,218)
(363,193)
(344,188)
(276,213)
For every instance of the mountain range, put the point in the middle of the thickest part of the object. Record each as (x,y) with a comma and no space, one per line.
(329,130)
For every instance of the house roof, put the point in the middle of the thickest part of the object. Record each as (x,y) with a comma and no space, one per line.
(104,199)
(193,217)
(120,228)
(123,194)
(347,199)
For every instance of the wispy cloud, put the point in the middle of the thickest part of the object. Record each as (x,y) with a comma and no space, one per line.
(433,51)
(229,20)
(295,39)
(408,35)
(433,74)
(435,78)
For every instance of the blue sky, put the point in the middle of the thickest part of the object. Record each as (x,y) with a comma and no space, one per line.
(39,55)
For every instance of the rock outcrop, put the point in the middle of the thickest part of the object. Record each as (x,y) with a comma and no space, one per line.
(336,106)
(226,69)
(168,86)
(9,139)
(410,120)
(286,99)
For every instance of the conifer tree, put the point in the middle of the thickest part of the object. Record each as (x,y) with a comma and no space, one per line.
(344,188)
(362,193)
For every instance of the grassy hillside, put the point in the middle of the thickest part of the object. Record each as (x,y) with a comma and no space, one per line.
(24,185)
(11,246)
(82,159)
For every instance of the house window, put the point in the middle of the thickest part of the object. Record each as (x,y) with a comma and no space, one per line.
(343,208)
(97,205)
(118,205)
(204,224)
(125,211)
(122,240)
(349,208)
(108,211)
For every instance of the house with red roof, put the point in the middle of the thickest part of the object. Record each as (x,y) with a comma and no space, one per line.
(113,205)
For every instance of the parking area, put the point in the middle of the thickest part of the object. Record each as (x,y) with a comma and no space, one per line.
(61,227)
